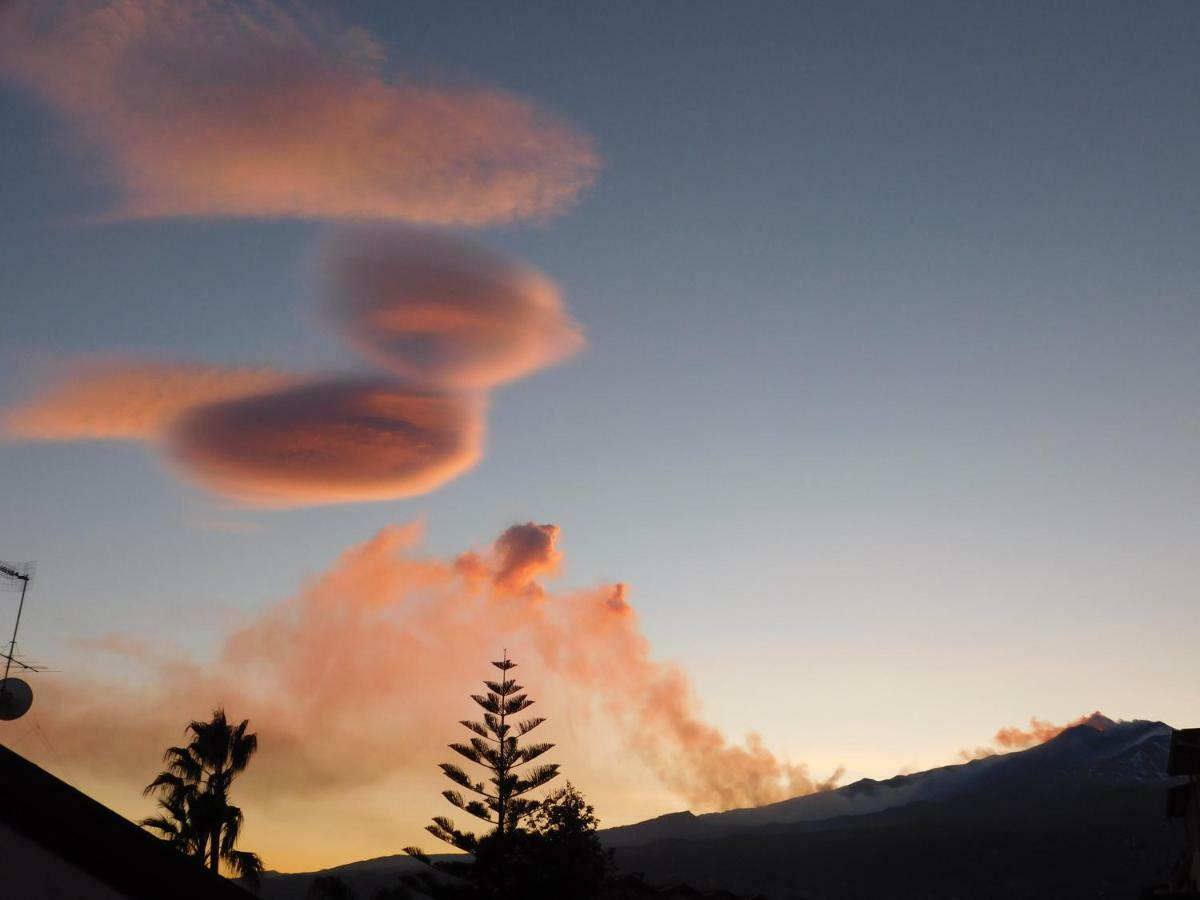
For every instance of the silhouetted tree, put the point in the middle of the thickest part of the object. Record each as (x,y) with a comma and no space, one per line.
(495,747)
(195,815)
(502,802)
(547,850)
(558,853)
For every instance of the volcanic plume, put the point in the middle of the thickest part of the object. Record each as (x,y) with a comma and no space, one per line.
(356,681)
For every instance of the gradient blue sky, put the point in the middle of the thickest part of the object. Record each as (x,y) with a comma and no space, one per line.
(888,415)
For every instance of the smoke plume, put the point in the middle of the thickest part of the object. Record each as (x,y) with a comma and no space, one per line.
(1038,732)
(358,680)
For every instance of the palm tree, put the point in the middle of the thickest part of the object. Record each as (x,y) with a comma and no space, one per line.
(195,815)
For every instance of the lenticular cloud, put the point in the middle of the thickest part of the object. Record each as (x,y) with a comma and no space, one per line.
(446,319)
(444,313)
(199,108)
(329,441)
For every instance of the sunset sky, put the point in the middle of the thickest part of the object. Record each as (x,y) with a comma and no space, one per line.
(853,349)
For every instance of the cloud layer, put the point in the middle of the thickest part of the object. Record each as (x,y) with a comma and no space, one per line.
(357,681)
(443,313)
(207,108)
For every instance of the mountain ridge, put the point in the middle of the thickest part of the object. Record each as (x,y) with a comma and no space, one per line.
(1078,816)
(1088,750)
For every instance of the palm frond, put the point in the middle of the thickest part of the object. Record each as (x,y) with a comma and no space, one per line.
(242,747)
(246,865)
(173,783)
(231,828)
(162,824)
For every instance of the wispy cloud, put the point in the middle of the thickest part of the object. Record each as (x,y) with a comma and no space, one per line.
(197,108)
(133,399)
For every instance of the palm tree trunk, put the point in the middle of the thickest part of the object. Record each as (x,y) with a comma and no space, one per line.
(214,852)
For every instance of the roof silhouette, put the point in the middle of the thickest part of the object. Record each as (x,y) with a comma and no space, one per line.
(105,845)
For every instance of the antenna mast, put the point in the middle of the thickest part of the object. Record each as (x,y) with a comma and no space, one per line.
(15,695)
(22,574)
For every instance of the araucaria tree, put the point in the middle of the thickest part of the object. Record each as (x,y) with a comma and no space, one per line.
(496,747)
(195,814)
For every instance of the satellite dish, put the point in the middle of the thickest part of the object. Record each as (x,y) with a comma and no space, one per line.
(15,698)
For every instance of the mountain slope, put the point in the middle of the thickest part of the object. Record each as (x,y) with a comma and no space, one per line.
(1080,816)
(1099,751)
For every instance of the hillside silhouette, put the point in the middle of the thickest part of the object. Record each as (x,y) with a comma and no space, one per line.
(1079,816)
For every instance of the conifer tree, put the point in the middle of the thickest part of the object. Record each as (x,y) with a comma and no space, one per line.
(496,747)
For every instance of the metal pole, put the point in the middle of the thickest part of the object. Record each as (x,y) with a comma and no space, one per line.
(12,646)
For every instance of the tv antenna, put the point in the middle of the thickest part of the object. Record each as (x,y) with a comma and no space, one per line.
(16,696)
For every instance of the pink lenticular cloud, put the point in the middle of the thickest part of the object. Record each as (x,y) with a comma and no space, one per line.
(129,399)
(329,441)
(444,313)
(198,108)
(264,437)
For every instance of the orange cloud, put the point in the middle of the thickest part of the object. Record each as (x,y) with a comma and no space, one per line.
(356,682)
(444,313)
(205,108)
(263,437)
(329,441)
(1038,732)
(523,553)
(129,400)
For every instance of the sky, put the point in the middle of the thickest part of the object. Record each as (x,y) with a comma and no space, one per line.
(850,347)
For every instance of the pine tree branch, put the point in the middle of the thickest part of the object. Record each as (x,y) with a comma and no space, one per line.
(530,753)
(459,777)
(502,688)
(515,704)
(478,729)
(535,778)
(490,703)
(528,725)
